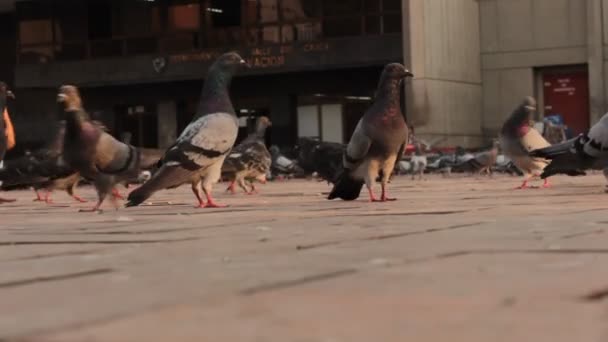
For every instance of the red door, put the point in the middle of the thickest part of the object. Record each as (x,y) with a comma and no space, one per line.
(567,94)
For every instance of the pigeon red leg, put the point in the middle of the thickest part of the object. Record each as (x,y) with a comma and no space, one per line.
(232,187)
(47,197)
(385,197)
(117,194)
(197,193)
(253,191)
(210,201)
(372,197)
(546,184)
(524,185)
(38,197)
(79,199)
(212,204)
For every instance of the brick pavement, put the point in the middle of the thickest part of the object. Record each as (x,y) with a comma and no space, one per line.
(454,259)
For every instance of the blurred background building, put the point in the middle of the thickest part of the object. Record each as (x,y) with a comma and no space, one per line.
(140,63)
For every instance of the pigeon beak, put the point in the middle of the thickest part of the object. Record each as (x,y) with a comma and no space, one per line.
(407,73)
(244,63)
(10,94)
(61,97)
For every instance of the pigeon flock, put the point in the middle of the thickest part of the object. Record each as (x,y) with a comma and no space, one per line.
(205,152)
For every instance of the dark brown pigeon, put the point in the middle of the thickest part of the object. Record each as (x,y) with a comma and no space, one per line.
(377,142)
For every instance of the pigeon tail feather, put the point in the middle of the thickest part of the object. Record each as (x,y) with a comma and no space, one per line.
(346,187)
(553,151)
(165,178)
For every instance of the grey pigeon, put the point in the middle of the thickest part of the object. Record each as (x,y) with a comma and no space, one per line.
(92,152)
(283,167)
(482,162)
(377,142)
(5,93)
(573,157)
(249,160)
(199,152)
(419,160)
(519,138)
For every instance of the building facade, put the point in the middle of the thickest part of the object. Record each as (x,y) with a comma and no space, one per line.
(141,63)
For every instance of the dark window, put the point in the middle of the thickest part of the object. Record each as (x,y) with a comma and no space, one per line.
(392,23)
(342,26)
(100,19)
(391,5)
(373,25)
(341,7)
(372,6)
(225,13)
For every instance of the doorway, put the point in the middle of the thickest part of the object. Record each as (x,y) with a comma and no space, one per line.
(566,92)
(137,125)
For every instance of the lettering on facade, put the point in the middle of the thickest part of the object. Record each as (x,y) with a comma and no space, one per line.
(267,61)
(316,47)
(258,57)
(197,57)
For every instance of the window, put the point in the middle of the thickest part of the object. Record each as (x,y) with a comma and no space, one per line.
(99,19)
(35,31)
(148,16)
(225,13)
(184,17)
(341,7)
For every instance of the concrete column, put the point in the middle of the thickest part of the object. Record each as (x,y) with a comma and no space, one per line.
(596,58)
(282,113)
(442,49)
(167,123)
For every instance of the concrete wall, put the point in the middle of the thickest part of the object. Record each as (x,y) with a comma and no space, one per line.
(520,35)
(441,40)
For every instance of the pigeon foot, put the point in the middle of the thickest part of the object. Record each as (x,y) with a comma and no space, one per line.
(79,199)
(117,194)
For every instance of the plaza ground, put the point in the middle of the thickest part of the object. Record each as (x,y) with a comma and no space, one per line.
(458,259)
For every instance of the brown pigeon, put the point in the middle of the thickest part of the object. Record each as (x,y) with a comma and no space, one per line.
(92,152)
(378,140)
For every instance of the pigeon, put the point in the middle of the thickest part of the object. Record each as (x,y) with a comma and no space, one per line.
(574,156)
(92,152)
(482,162)
(249,160)
(419,161)
(443,164)
(44,170)
(199,152)
(518,138)
(377,142)
(283,167)
(322,158)
(5,93)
